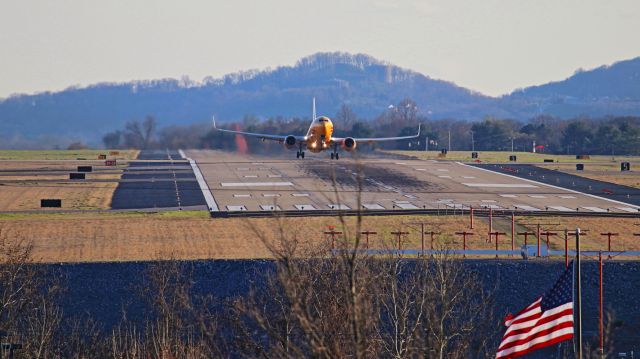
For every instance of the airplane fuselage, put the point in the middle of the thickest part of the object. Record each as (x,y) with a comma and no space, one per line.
(319,134)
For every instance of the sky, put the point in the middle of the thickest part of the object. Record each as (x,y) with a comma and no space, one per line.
(490,46)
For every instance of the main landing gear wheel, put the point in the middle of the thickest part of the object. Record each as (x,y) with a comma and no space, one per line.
(302,154)
(298,154)
(337,156)
(332,155)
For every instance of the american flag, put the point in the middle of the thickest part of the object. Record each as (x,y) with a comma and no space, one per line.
(547,321)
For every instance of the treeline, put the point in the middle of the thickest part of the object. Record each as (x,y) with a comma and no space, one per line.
(617,135)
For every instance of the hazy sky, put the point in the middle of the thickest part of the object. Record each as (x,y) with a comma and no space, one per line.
(491,46)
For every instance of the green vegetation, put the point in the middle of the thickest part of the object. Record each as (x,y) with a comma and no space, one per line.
(62,154)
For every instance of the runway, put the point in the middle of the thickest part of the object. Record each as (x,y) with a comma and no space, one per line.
(316,185)
(160,179)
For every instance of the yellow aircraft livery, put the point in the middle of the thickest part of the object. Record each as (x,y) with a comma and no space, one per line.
(319,137)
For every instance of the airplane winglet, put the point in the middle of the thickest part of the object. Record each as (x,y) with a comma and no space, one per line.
(419,125)
(213,118)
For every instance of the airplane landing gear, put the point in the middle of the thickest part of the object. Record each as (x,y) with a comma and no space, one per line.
(334,154)
(300,154)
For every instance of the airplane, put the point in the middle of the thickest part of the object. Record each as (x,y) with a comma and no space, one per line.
(319,137)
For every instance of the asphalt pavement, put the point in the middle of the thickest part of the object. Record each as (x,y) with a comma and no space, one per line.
(162,184)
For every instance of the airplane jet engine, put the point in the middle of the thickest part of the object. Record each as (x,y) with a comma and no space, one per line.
(348,144)
(290,142)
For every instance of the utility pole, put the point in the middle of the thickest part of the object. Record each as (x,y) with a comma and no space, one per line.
(426,143)
(579,298)
(511,144)
(449,147)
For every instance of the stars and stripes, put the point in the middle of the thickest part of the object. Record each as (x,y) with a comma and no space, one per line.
(547,321)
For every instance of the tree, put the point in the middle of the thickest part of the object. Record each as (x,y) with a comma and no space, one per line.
(345,118)
(112,139)
(139,135)
(577,138)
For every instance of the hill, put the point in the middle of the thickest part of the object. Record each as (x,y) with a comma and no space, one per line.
(365,84)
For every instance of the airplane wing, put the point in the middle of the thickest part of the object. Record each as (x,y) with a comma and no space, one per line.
(379,139)
(262,136)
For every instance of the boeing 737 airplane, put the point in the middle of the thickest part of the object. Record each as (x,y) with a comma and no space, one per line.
(319,137)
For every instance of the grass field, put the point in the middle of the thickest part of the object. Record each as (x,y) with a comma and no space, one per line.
(29,176)
(503,157)
(63,154)
(130,236)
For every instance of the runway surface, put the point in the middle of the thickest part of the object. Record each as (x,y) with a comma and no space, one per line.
(163,180)
(262,183)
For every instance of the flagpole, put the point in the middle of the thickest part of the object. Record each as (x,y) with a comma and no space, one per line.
(579,297)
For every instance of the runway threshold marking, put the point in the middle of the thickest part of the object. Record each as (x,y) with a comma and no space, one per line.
(594,209)
(204,187)
(255,184)
(561,208)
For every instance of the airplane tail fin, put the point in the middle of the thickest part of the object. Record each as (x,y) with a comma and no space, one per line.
(313,114)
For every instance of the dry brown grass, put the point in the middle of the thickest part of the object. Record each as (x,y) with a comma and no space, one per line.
(24,183)
(193,235)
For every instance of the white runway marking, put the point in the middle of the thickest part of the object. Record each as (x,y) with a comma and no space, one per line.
(250,176)
(304,207)
(406,205)
(300,194)
(270,195)
(468,177)
(526,208)
(493,206)
(595,209)
(421,169)
(274,176)
(241,195)
(255,184)
(457,206)
(444,176)
(500,185)
(265,168)
(508,195)
(567,197)
(410,196)
(628,209)
(236,208)
(537,196)
(488,201)
(269,207)
(338,206)
(561,208)
(242,168)
(442,170)
(401,202)
(202,183)
(372,206)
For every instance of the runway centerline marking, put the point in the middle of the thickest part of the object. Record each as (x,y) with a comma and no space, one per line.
(594,209)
